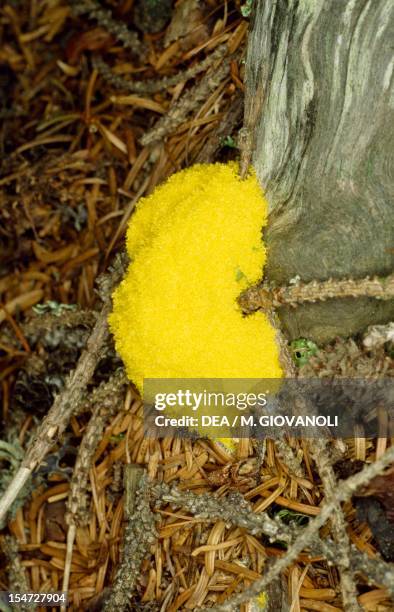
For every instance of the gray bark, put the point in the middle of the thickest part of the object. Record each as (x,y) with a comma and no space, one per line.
(319,78)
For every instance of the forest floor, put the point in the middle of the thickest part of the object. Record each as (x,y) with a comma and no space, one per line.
(101,102)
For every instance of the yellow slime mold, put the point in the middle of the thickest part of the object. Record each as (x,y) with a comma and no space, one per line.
(195,244)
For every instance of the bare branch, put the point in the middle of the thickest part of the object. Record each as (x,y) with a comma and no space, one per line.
(140,533)
(344,492)
(189,101)
(154,85)
(267,297)
(324,465)
(67,402)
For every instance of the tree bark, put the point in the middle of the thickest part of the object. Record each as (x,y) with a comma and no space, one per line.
(319,78)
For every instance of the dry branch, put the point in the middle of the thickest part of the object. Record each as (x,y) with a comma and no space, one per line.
(155,85)
(189,101)
(324,465)
(266,296)
(68,401)
(17,578)
(106,407)
(374,570)
(140,533)
(104,18)
(287,455)
(344,492)
(107,398)
(235,510)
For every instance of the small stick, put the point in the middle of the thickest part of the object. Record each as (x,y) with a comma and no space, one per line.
(16,572)
(132,476)
(187,102)
(104,17)
(68,401)
(268,297)
(58,417)
(235,510)
(140,533)
(344,492)
(341,538)
(71,532)
(155,85)
(107,399)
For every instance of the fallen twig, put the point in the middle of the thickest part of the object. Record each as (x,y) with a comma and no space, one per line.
(287,455)
(234,509)
(107,398)
(17,579)
(324,465)
(189,100)
(67,402)
(374,570)
(140,533)
(155,85)
(344,491)
(61,411)
(104,18)
(268,297)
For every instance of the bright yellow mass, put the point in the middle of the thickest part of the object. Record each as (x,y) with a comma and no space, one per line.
(195,244)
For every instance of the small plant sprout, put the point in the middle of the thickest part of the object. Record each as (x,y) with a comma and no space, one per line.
(246,9)
(302,350)
(228,141)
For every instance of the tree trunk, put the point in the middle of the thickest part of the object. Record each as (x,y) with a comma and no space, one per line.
(319,83)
